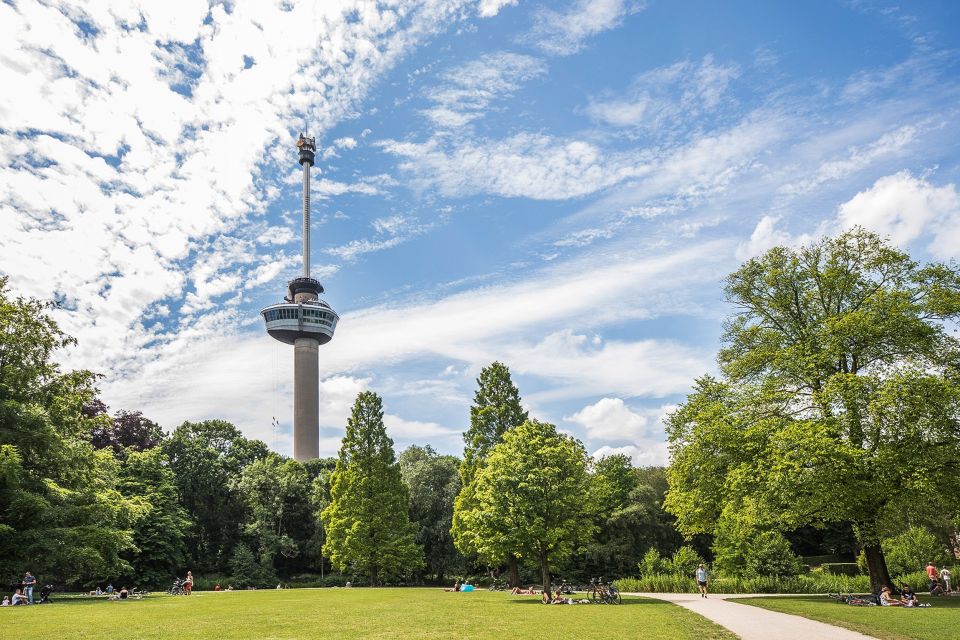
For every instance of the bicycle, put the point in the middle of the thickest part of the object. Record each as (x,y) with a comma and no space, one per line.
(498,585)
(602,593)
(176,589)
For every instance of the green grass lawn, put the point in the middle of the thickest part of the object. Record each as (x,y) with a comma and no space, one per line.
(352,613)
(941,620)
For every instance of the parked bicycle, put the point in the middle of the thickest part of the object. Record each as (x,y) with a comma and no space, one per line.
(176,589)
(603,593)
(499,585)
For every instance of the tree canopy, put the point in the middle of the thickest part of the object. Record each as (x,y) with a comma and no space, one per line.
(532,498)
(367,522)
(838,399)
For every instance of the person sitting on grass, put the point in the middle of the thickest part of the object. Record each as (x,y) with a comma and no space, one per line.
(455,587)
(6,601)
(908,597)
(19,598)
(887,599)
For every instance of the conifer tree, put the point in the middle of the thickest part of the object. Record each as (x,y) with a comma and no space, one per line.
(367,521)
(496,410)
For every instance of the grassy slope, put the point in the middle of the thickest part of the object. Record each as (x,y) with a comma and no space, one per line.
(354,613)
(942,620)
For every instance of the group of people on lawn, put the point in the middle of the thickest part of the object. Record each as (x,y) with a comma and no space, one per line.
(23,595)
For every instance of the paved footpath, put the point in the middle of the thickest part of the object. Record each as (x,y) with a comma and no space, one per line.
(754,623)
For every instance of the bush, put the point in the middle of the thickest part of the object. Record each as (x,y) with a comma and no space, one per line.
(814,582)
(247,571)
(912,550)
(684,561)
(743,551)
(651,563)
(841,568)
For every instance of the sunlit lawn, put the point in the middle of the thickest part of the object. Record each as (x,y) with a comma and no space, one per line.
(941,620)
(352,613)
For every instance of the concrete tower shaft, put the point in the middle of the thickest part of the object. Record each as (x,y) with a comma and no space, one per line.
(306,399)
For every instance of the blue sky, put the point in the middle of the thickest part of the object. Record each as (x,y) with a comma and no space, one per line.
(557,185)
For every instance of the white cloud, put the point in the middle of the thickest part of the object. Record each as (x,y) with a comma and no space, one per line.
(565,32)
(906,208)
(610,419)
(526,165)
(662,99)
(152,164)
(471,88)
(653,453)
(490,8)
(765,236)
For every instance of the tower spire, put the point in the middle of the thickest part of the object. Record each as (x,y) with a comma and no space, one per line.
(308,149)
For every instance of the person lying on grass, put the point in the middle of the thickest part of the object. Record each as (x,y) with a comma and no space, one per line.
(517,591)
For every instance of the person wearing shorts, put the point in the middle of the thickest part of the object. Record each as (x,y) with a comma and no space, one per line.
(702,580)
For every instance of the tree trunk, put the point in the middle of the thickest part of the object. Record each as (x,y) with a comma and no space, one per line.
(514,571)
(877,565)
(374,575)
(545,571)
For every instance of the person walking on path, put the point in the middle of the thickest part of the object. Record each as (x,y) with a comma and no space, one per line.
(933,576)
(945,576)
(702,580)
(28,582)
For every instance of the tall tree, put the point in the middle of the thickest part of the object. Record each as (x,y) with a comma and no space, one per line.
(160,529)
(60,512)
(281,520)
(531,498)
(839,400)
(434,483)
(496,410)
(367,525)
(207,459)
(126,429)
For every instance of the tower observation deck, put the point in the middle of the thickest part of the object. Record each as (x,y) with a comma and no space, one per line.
(306,322)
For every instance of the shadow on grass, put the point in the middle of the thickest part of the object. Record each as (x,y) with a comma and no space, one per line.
(626,601)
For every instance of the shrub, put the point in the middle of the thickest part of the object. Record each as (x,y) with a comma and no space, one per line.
(911,550)
(842,568)
(651,563)
(814,582)
(684,561)
(743,551)
(770,554)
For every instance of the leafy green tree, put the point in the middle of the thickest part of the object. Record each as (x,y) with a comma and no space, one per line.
(744,551)
(160,529)
(207,459)
(839,399)
(61,515)
(684,561)
(651,563)
(367,524)
(496,410)
(911,550)
(246,570)
(434,482)
(281,520)
(532,498)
